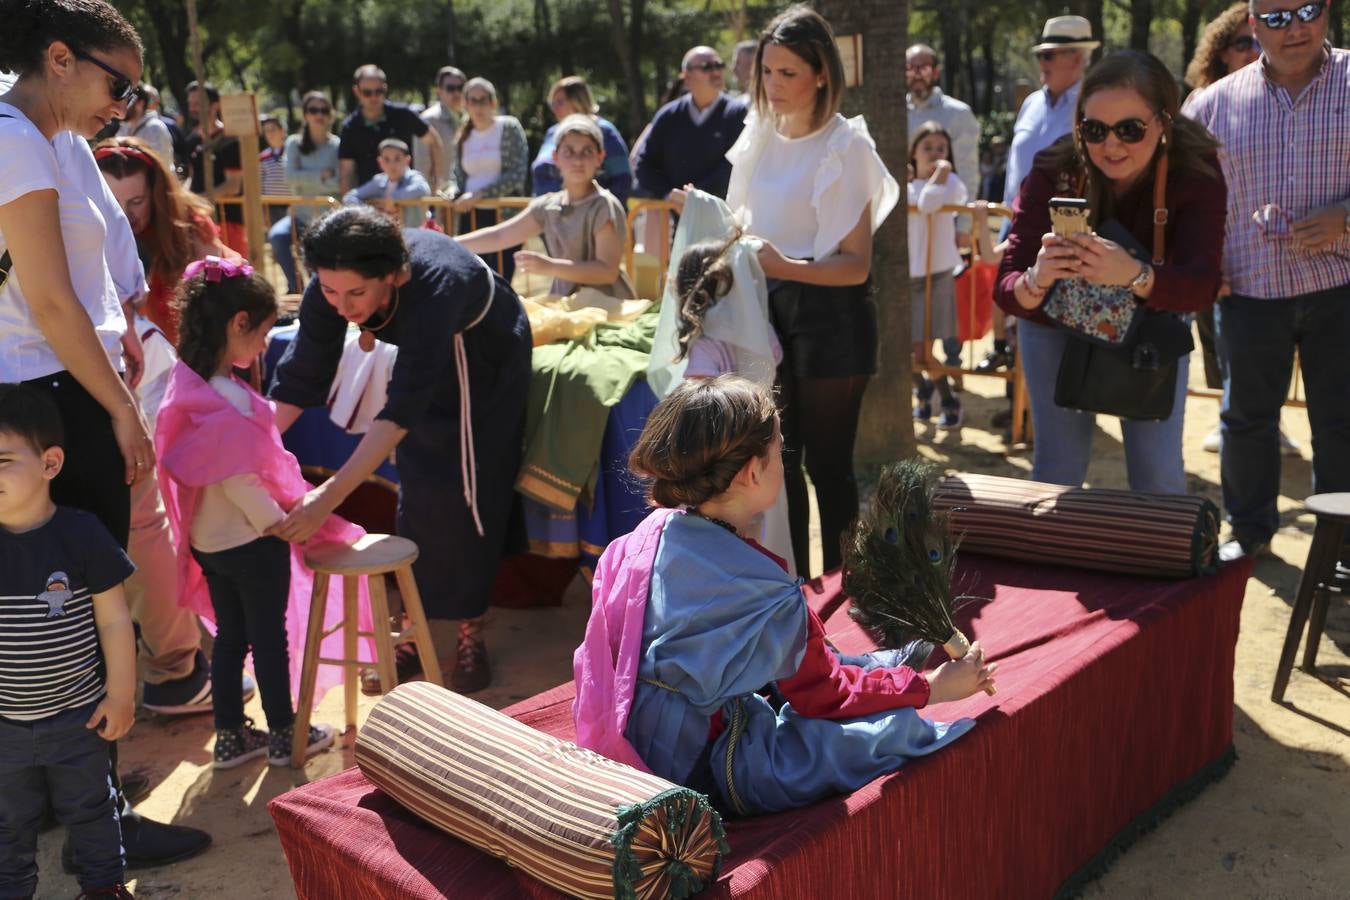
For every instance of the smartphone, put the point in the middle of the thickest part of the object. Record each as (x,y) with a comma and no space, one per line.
(1069,216)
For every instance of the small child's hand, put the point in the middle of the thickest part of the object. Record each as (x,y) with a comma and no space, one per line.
(112,718)
(909,171)
(941,169)
(959,678)
(532,262)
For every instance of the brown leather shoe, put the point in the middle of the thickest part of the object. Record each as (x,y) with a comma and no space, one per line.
(472,671)
(407,667)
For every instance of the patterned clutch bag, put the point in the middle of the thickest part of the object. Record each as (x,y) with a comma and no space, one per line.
(1104,314)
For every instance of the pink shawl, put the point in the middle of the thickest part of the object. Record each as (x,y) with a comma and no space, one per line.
(200,439)
(606,664)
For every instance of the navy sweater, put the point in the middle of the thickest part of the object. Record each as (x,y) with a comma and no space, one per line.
(678,152)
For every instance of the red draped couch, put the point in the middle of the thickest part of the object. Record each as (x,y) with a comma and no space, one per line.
(1115,702)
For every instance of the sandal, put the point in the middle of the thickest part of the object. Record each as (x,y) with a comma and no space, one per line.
(472,671)
(407,667)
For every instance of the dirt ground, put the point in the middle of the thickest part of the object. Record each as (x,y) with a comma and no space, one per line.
(1277,826)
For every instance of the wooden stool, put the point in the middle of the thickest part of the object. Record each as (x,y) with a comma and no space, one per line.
(1316,586)
(370,558)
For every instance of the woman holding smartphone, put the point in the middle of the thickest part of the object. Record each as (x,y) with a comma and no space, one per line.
(1126,122)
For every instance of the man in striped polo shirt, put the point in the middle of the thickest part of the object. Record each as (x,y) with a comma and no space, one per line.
(1284,123)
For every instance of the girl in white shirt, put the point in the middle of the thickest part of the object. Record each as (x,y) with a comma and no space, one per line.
(810,185)
(933,184)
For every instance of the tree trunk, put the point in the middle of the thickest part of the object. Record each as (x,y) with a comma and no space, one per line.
(886,432)
(1192,14)
(627,44)
(990,70)
(450,32)
(1141,17)
(171,34)
(1094,12)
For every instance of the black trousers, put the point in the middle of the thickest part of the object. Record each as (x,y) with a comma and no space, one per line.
(250,586)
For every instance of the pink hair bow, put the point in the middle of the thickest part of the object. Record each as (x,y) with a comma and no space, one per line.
(213,268)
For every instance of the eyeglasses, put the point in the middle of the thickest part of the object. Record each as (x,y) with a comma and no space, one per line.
(707,66)
(318,110)
(1244,43)
(123,89)
(1047,55)
(457,88)
(1282,18)
(918,67)
(478,100)
(1130,131)
(1274,223)
(374,92)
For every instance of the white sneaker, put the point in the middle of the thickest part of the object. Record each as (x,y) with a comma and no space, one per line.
(1213,441)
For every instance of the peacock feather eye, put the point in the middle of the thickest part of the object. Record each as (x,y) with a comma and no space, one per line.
(934,554)
(891,536)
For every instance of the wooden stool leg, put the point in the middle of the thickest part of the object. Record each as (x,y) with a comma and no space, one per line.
(1320,556)
(412,605)
(351,624)
(384,644)
(309,669)
(1021,408)
(1322,599)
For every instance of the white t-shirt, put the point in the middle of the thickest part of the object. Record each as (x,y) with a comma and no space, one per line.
(929,198)
(781,189)
(482,157)
(66,165)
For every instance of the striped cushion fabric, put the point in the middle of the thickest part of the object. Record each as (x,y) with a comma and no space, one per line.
(584,824)
(1167,535)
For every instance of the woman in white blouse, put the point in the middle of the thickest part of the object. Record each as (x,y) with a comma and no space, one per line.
(491,162)
(810,184)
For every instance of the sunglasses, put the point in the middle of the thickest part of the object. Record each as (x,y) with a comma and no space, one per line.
(318,110)
(707,66)
(1245,43)
(1047,55)
(374,92)
(1282,18)
(1130,131)
(123,89)
(478,100)
(453,88)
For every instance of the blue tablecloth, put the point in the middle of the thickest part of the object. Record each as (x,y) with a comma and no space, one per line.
(617,508)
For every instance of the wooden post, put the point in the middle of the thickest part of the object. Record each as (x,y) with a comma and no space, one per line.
(239,112)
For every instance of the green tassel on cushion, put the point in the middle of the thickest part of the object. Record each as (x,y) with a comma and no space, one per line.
(681,811)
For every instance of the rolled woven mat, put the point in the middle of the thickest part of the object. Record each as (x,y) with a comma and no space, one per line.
(584,824)
(1167,535)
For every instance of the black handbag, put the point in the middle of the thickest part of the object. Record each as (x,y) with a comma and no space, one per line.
(1137,379)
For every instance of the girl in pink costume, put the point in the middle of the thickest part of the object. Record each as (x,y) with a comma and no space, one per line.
(229,481)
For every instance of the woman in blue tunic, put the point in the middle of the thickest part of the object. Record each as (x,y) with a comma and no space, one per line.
(690,622)
(455,409)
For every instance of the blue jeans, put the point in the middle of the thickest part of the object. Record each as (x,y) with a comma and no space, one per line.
(56,761)
(1256,340)
(279,236)
(1063,445)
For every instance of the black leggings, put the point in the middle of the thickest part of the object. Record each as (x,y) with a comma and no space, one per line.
(820,424)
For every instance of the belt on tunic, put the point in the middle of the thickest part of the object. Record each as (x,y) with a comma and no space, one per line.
(468,468)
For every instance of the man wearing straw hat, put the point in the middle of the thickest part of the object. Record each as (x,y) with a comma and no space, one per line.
(1047,115)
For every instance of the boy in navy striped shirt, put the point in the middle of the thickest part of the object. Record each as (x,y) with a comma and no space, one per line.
(67,659)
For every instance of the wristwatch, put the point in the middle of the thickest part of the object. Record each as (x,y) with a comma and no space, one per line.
(1142,280)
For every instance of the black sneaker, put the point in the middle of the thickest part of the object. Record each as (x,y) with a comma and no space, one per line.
(320,738)
(148,843)
(189,694)
(236,746)
(118,891)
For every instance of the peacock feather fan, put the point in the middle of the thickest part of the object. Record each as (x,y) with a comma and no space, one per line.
(899,559)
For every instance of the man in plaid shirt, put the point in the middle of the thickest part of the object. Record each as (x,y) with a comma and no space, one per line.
(1284,123)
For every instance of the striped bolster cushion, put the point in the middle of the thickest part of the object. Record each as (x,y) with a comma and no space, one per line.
(584,824)
(1167,535)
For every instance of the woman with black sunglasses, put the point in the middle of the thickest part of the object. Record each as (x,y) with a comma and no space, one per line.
(67,259)
(311,171)
(1128,133)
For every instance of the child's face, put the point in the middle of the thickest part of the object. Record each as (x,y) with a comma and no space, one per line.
(24,475)
(243,346)
(927,152)
(394,162)
(275,135)
(578,158)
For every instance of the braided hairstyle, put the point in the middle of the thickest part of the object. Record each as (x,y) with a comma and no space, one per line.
(703,277)
(205,309)
(700,436)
